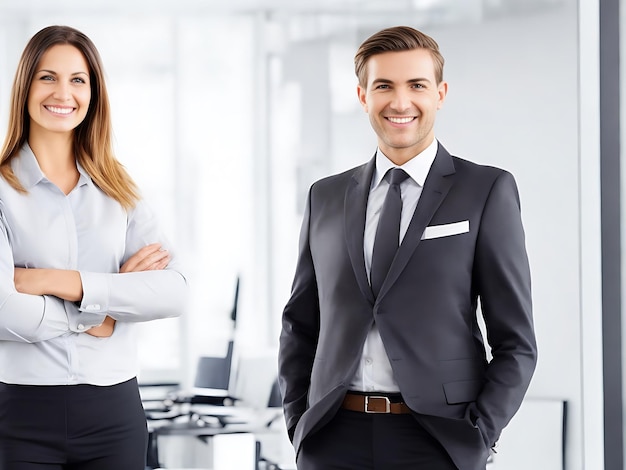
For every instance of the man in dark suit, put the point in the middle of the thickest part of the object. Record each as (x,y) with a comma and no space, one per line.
(382,364)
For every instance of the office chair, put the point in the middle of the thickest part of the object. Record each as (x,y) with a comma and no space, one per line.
(276,399)
(212,380)
(211,387)
(214,375)
(178,411)
(181,411)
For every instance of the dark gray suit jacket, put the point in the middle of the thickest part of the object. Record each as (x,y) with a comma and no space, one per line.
(425,311)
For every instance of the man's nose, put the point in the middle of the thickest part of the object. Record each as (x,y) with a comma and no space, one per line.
(401,101)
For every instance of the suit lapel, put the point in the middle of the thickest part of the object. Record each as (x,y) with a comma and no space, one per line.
(354,208)
(436,187)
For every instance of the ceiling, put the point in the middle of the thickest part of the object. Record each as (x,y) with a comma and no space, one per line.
(353,7)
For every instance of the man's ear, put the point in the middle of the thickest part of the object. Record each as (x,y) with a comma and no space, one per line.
(362,93)
(442,89)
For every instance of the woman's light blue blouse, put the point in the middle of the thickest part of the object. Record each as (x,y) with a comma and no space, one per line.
(42,339)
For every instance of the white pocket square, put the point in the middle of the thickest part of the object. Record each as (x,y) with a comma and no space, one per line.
(446,230)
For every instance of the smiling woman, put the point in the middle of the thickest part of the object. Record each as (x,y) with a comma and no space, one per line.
(70,301)
(57,103)
(60,93)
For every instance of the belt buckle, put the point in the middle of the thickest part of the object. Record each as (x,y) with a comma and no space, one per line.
(387,404)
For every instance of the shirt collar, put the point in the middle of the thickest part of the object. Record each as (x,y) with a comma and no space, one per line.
(417,167)
(29,173)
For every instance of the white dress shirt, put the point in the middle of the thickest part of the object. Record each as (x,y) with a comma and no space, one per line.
(374,372)
(42,339)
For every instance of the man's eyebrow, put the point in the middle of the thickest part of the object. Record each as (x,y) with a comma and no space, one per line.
(411,80)
(381,80)
(418,80)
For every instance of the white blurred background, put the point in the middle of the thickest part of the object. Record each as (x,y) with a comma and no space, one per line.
(226,112)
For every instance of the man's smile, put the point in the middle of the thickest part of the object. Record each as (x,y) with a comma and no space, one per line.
(401,120)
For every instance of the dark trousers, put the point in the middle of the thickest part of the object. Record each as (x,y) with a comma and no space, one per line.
(72,427)
(362,441)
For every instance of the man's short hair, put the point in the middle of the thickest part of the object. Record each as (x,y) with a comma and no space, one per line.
(395,39)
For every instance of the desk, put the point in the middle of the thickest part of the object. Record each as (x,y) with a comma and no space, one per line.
(217,451)
(234,446)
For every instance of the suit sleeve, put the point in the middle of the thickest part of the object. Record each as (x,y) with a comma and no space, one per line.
(502,276)
(300,331)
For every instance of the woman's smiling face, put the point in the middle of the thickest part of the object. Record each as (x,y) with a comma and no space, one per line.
(60,91)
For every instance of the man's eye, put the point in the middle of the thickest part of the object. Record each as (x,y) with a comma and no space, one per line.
(382,87)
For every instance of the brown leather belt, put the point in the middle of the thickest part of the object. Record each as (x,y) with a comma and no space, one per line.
(373,404)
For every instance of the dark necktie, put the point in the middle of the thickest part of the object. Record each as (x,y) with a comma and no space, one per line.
(387,237)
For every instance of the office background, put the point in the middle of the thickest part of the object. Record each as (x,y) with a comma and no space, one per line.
(225,112)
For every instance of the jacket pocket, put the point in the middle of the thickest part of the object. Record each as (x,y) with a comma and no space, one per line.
(463,391)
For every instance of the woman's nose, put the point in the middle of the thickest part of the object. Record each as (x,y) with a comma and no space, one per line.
(62,91)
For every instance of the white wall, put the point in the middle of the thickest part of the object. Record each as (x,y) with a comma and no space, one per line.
(514,103)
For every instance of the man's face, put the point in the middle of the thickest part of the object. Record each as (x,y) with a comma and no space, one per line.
(402,97)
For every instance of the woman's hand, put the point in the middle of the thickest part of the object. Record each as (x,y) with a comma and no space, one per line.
(29,281)
(102,331)
(148,258)
(62,283)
